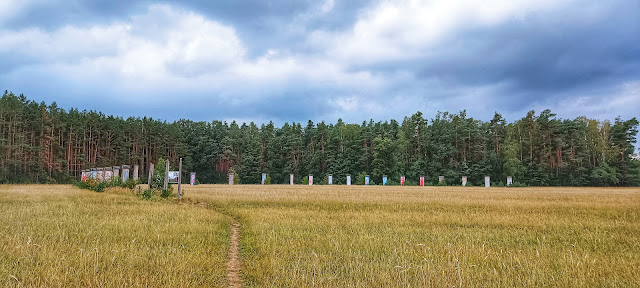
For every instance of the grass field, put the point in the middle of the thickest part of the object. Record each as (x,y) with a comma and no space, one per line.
(325,236)
(61,236)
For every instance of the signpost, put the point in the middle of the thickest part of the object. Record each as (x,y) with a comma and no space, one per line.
(174,177)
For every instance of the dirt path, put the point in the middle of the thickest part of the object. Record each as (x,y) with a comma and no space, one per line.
(233,266)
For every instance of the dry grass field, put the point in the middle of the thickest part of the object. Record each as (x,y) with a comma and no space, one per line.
(324,236)
(359,236)
(61,236)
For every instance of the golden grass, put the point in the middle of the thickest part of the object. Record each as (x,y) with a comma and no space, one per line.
(60,236)
(339,236)
(325,236)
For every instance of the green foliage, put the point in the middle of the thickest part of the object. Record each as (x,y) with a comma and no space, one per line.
(267,180)
(325,180)
(442,183)
(409,182)
(166,193)
(359,180)
(538,149)
(157,180)
(129,184)
(518,184)
(147,194)
(236,177)
(604,176)
(101,186)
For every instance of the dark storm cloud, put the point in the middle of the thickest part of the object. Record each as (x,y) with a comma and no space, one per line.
(578,51)
(262,24)
(539,58)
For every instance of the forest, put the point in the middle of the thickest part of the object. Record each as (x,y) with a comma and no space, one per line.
(42,143)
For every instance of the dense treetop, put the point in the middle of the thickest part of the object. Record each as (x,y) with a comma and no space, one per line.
(43,143)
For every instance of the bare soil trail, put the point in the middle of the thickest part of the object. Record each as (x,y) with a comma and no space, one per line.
(233,266)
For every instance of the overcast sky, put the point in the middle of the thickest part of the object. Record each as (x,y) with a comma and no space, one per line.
(318,60)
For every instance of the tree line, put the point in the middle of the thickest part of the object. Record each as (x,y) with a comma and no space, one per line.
(42,143)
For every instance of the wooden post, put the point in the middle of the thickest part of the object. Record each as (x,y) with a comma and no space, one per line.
(166,175)
(150,174)
(179,179)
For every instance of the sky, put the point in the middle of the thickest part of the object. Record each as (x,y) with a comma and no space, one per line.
(260,60)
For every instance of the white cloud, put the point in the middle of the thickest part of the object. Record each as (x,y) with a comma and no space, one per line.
(398,30)
(164,40)
(327,6)
(9,8)
(167,50)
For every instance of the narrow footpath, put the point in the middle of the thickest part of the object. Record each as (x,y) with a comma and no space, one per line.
(233,266)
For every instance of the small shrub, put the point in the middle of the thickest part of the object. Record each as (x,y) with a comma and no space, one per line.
(165,193)
(236,177)
(408,182)
(360,178)
(129,184)
(518,184)
(100,186)
(147,194)
(442,183)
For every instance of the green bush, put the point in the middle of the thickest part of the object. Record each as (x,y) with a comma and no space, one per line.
(518,184)
(129,184)
(360,178)
(166,193)
(147,194)
(100,186)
